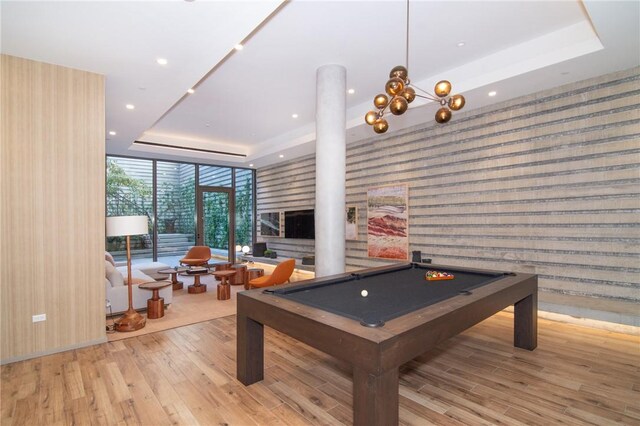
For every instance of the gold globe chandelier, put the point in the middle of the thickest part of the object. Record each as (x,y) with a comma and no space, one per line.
(400,93)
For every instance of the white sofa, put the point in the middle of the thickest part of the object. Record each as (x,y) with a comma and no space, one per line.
(117,292)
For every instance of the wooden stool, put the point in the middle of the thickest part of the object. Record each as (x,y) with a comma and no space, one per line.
(251,274)
(224,289)
(238,278)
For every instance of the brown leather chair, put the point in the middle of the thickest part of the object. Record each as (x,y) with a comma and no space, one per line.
(196,256)
(280,275)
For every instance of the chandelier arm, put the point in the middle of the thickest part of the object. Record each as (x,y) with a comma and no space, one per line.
(431,98)
(426,95)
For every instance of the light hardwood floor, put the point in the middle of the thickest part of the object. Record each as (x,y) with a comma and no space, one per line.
(186,376)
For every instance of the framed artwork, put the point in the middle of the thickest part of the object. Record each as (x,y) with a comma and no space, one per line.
(270,224)
(388,222)
(351,225)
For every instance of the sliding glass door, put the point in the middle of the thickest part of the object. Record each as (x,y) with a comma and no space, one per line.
(216,216)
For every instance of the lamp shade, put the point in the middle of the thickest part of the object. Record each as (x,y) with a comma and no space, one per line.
(246,249)
(127,225)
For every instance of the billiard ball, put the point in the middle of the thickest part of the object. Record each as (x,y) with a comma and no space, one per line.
(364,293)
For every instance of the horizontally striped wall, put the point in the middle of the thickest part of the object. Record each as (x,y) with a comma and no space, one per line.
(546,183)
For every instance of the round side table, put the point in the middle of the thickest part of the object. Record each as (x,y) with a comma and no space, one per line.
(224,289)
(197,286)
(155,305)
(220,266)
(177,285)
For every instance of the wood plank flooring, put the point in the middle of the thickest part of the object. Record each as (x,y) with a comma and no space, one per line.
(186,376)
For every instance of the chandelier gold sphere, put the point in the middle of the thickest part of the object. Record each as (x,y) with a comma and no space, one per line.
(398,105)
(380,101)
(456,102)
(380,126)
(370,117)
(394,86)
(409,94)
(442,89)
(443,115)
(400,72)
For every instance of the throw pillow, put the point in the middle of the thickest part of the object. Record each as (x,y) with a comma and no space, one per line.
(113,275)
(109,258)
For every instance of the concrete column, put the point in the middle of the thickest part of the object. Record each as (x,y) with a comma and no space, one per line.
(330,213)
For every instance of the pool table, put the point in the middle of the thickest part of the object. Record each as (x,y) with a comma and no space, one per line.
(400,315)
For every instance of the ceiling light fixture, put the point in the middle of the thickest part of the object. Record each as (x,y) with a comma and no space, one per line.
(130,106)
(162,61)
(294,115)
(238,46)
(492,93)
(112,133)
(190,91)
(401,93)
(460,43)
(351,91)
(281,156)
(251,165)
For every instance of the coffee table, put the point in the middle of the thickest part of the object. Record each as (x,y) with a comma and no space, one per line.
(224,289)
(177,285)
(155,305)
(197,286)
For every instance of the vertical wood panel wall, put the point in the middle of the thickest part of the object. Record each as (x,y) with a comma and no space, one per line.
(52,208)
(546,183)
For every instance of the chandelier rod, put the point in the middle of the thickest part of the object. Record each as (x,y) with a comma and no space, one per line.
(407,44)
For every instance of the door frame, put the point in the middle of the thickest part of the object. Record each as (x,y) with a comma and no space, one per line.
(231,194)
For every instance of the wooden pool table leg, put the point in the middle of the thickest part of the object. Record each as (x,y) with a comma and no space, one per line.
(250,350)
(375,397)
(525,326)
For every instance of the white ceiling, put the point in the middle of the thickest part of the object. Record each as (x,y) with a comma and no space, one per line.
(244,100)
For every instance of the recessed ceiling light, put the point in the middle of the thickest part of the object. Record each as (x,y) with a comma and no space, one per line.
(162,61)
(112,133)
(492,93)
(351,91)
(460,43)
(130,106)
(251,165)
(190,91)
(238,46)
(294,115)
(207,125)
(281,156)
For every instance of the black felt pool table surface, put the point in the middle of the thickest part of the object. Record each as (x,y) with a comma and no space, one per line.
(391,293)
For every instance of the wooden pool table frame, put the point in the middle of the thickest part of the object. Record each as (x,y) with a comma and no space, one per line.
(377,353)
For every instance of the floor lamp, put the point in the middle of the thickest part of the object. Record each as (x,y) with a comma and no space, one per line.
(118,226)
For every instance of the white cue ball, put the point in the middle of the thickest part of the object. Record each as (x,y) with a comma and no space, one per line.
(364,293)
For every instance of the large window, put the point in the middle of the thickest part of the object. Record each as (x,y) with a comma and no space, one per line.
(244,207)
(176,207)
(132,190)
(130,193)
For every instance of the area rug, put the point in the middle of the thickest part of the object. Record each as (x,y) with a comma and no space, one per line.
(187,309)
